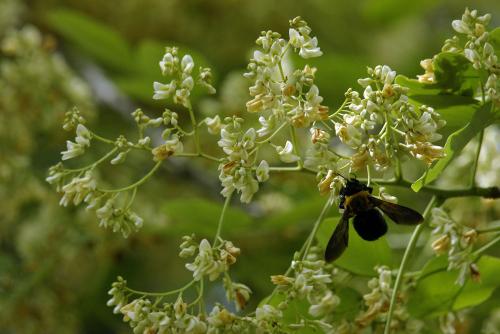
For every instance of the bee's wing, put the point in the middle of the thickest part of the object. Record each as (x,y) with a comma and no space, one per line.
(339,239)
(398,213)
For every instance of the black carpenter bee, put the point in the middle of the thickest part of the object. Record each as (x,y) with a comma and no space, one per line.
(357,202)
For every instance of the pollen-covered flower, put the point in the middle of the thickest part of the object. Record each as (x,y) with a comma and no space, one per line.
(428,77)
(171,146)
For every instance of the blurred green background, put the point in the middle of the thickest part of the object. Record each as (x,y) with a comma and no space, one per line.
(56,264)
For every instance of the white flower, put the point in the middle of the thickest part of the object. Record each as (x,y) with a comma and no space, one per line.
(167,63)
(187,64)
(325,306)
(295,39)
(78,189)
(205,264)
(262,172)
(310,49)
(82,140)
(213,124)
(267,313)
(460,27)
(286,153)
(163,91)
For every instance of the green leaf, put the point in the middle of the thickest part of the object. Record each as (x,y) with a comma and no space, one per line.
(350,302)
(188,215)
(454,74)
(434,294)
(361,257)
(296,310)
(482,118)
(302,212)
(416,87)
(494,40)
(93,38)
(434,265)
(476,293)
(438,293)
(148,55)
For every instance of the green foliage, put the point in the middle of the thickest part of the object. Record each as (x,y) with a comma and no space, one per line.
(95,39)
(361,257)
(132,68)
(197,214)
(438,293)
(482,118)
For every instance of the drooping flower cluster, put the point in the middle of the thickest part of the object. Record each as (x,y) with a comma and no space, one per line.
(237,172)
(457,241)
(182,83)
(382,124)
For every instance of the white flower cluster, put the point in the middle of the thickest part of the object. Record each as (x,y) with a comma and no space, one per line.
(209,261)
(378,301)
(119,218)
(237,171)
(457,241)
(382,123)
(281,96)
(478,48)
(182,83)
(147,317)
(311,281)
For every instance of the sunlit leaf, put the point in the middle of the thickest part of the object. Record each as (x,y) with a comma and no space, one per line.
(482,118)
(437,293)
(494,40)
(475,293)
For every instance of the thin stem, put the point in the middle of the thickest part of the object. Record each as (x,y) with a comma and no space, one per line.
(200,155)
(339,109)
(272,135)
(490,244)
(368,175)
(136,184)
(476,160)
(195,129)
(489,229)
(295,145)
(102,139)
(200,294)
(404,261)
(94,164)
(317,224)
(172,292)
(221,219)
